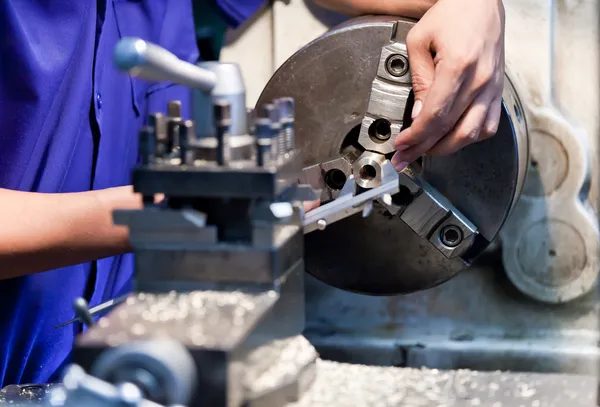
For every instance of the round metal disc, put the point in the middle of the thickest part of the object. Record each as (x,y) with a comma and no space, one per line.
(330,80)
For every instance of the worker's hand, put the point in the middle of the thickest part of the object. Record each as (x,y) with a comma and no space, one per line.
(310,205)
(456,55)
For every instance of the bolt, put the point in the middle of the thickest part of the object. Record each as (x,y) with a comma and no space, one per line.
(286,109)
(380,130)
(174,109)
(158,122)
(147,145)
(451,236)
(222,119)
(396,65)
(321,224)
(186,130)
(270,112)
(264,140)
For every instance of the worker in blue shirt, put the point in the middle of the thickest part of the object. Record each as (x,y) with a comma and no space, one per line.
(68,139)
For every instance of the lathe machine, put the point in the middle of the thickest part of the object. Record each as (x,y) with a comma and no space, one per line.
(218,312)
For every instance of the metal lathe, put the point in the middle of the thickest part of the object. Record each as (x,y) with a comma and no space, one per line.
(218,313)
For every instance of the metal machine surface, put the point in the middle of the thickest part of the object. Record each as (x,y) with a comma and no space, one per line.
(364,64)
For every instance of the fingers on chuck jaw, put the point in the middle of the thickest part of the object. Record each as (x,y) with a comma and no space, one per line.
(488,130)
(454,142)
(398,162)
(492,121)
(310,205)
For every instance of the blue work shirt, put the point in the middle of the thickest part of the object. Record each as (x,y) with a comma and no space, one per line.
(69,123)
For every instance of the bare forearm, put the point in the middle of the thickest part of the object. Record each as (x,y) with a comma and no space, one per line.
(42,232)
(405,8)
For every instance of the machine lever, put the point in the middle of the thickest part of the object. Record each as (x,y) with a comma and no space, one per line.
(92,312)
(153,63)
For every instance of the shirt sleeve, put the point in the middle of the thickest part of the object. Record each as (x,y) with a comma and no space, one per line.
(236,12)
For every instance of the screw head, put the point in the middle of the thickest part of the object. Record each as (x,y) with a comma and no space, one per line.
(451,236)
(397,65)
(321,224)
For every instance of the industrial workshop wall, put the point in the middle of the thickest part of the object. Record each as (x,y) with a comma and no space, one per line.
(529,305)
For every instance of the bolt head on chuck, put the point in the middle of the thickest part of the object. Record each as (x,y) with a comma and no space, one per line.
(451,236)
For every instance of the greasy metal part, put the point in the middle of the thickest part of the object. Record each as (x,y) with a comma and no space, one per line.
(482,181)
(153,63)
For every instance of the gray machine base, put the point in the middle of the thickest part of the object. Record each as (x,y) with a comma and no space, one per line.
(345,385)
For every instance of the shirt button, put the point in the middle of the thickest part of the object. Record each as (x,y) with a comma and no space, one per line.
(98,101)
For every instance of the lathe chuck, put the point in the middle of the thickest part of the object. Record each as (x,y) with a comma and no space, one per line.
(331,80)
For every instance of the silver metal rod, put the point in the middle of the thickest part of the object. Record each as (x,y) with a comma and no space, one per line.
(222,118)
(99,309)
(186,130)
(151,62)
